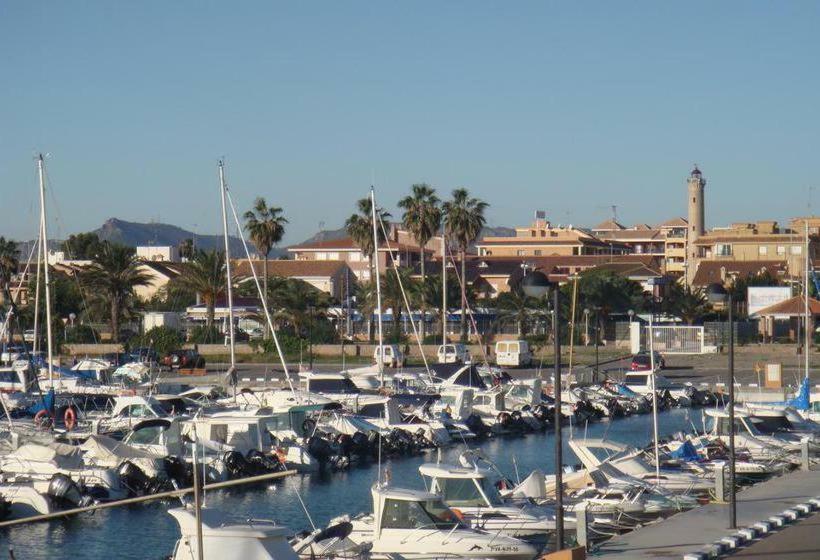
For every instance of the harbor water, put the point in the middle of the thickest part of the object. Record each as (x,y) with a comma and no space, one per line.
(147,532)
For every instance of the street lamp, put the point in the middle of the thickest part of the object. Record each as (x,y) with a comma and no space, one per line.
(535,284)
(586,326)
(716,293)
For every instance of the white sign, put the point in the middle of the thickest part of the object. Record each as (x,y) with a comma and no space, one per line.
(762,297)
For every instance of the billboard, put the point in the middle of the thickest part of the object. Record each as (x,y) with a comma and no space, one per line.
(762,297)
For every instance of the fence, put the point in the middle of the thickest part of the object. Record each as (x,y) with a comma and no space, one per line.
(673,339)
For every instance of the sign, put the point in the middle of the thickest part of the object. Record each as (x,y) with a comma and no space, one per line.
(762,297)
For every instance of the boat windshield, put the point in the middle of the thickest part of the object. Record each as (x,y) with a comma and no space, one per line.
(431,514)
(460,492)
(771,424)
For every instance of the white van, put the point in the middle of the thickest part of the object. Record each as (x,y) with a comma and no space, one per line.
(393,357)
(513,353)
(453,354)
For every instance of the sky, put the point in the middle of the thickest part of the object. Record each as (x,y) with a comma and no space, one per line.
(565,107)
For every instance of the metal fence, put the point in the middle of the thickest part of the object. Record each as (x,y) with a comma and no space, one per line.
(674,339)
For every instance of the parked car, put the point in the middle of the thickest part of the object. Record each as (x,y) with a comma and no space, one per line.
(393,356)
(513,353)
(453,354)
(256,333)
(183,359)
(642,361)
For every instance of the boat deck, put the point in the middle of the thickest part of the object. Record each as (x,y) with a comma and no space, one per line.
(690,531)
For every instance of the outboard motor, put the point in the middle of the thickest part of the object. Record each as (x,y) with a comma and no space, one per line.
(133,478)
(236,464)
(179,472)
(263,464)
(477,426)
(66,493)
(360,444)
(319,448)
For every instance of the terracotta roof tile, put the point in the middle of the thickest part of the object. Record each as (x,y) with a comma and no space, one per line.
(709,272)
(290,268)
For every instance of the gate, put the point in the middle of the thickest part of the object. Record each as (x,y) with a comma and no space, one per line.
(674,339)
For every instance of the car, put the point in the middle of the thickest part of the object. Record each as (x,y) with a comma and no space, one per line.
(642,361)
(177,359)
(513,353)
(393,356)
(256,333)
(453,354)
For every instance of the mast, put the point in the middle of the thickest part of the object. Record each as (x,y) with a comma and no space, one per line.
(222,189)
(806,304)
(378,284)
(654,400)
(44,242)
(443,287)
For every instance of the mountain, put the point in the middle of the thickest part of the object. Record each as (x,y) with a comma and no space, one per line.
(136,234)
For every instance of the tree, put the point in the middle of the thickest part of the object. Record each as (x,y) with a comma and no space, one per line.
(516,306)
(297,303)
(186,248)
(360,228)
(463,221)
(690,304)
(605,291)
(266,226)
(9,261)
(113,274)
(82,246)
(204,274)
(422,218)
(394,299)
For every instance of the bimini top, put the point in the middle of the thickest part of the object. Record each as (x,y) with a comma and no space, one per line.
(452,471)
(217,524)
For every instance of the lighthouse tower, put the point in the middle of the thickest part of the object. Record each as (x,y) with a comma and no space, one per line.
(696,184)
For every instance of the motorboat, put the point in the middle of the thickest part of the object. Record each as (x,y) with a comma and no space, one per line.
(761,446)
(472,494)
(418,525)
(595,452)
(384,412)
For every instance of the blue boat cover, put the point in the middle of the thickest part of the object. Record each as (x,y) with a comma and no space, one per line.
(46,403)
(625,391)
(685,452)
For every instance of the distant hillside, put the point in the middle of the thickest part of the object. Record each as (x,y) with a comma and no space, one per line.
(135,234)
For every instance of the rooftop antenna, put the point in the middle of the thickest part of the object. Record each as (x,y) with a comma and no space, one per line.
(614,209)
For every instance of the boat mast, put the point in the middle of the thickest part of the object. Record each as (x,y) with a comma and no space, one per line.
(222,189)
(654,400)
(44,242)
(443,287)
(378,284)
(806,303)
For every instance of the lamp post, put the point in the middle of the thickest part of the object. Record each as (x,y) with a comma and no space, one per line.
(586,326)
(716,293)
(535,284)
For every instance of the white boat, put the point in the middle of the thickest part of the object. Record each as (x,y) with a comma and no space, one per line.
(417,525)
(471,493)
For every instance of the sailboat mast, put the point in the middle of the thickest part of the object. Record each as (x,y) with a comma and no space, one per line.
(378,284)
(443,287)
(654,400)
(808,329)
(44,242)
(229,281)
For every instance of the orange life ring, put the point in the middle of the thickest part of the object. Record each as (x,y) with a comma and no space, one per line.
(70,418)
(458,513)
(38,418)
(281,455)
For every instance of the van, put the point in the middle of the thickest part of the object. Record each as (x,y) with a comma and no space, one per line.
(393,357)
(513,353)
(453,354)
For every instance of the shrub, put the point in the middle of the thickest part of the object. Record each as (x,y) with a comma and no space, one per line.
(204,335)
(162,339)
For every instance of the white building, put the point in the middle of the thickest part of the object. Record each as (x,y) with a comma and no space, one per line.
(158,253)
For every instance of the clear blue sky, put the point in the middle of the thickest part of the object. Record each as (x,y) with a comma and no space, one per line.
(568,107)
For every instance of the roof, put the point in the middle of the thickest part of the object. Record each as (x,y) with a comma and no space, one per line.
(709,272)
(608,225)
(290,268)
(633,235)
(631,269)
(719,237)
(347,244)
(675,222)
(513,241)
(167,269)
(792,307)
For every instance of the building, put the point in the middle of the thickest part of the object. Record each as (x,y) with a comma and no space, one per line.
(160,274)
(399,243)
(541,239)
(727,271)
(696,219)
(158,254)
(666,240)
(332,277)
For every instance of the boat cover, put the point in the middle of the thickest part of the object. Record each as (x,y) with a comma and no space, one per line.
(62,455)
(686,452)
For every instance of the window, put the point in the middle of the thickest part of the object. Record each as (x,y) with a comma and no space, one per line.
(520,252)
(400,514)
(762,250)
(321,256)
(146,436)
(796,250)
(781,249)
(460,492)
(723,250)
(537,252)
(532,233)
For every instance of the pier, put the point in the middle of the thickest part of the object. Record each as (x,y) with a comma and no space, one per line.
(692,534)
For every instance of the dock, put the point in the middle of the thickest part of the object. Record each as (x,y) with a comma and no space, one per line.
(688,534)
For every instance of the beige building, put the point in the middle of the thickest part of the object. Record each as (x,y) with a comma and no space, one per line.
(666,240)
(541,238)
(332,277)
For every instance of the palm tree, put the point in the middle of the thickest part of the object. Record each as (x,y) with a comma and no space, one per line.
(204,274)
(463,220)
(394,299)
(266,226)
(113,274)
(186,248)
(515,306)
(422,218)
(298,303)
(360,228)
(690,304)
(9,259)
